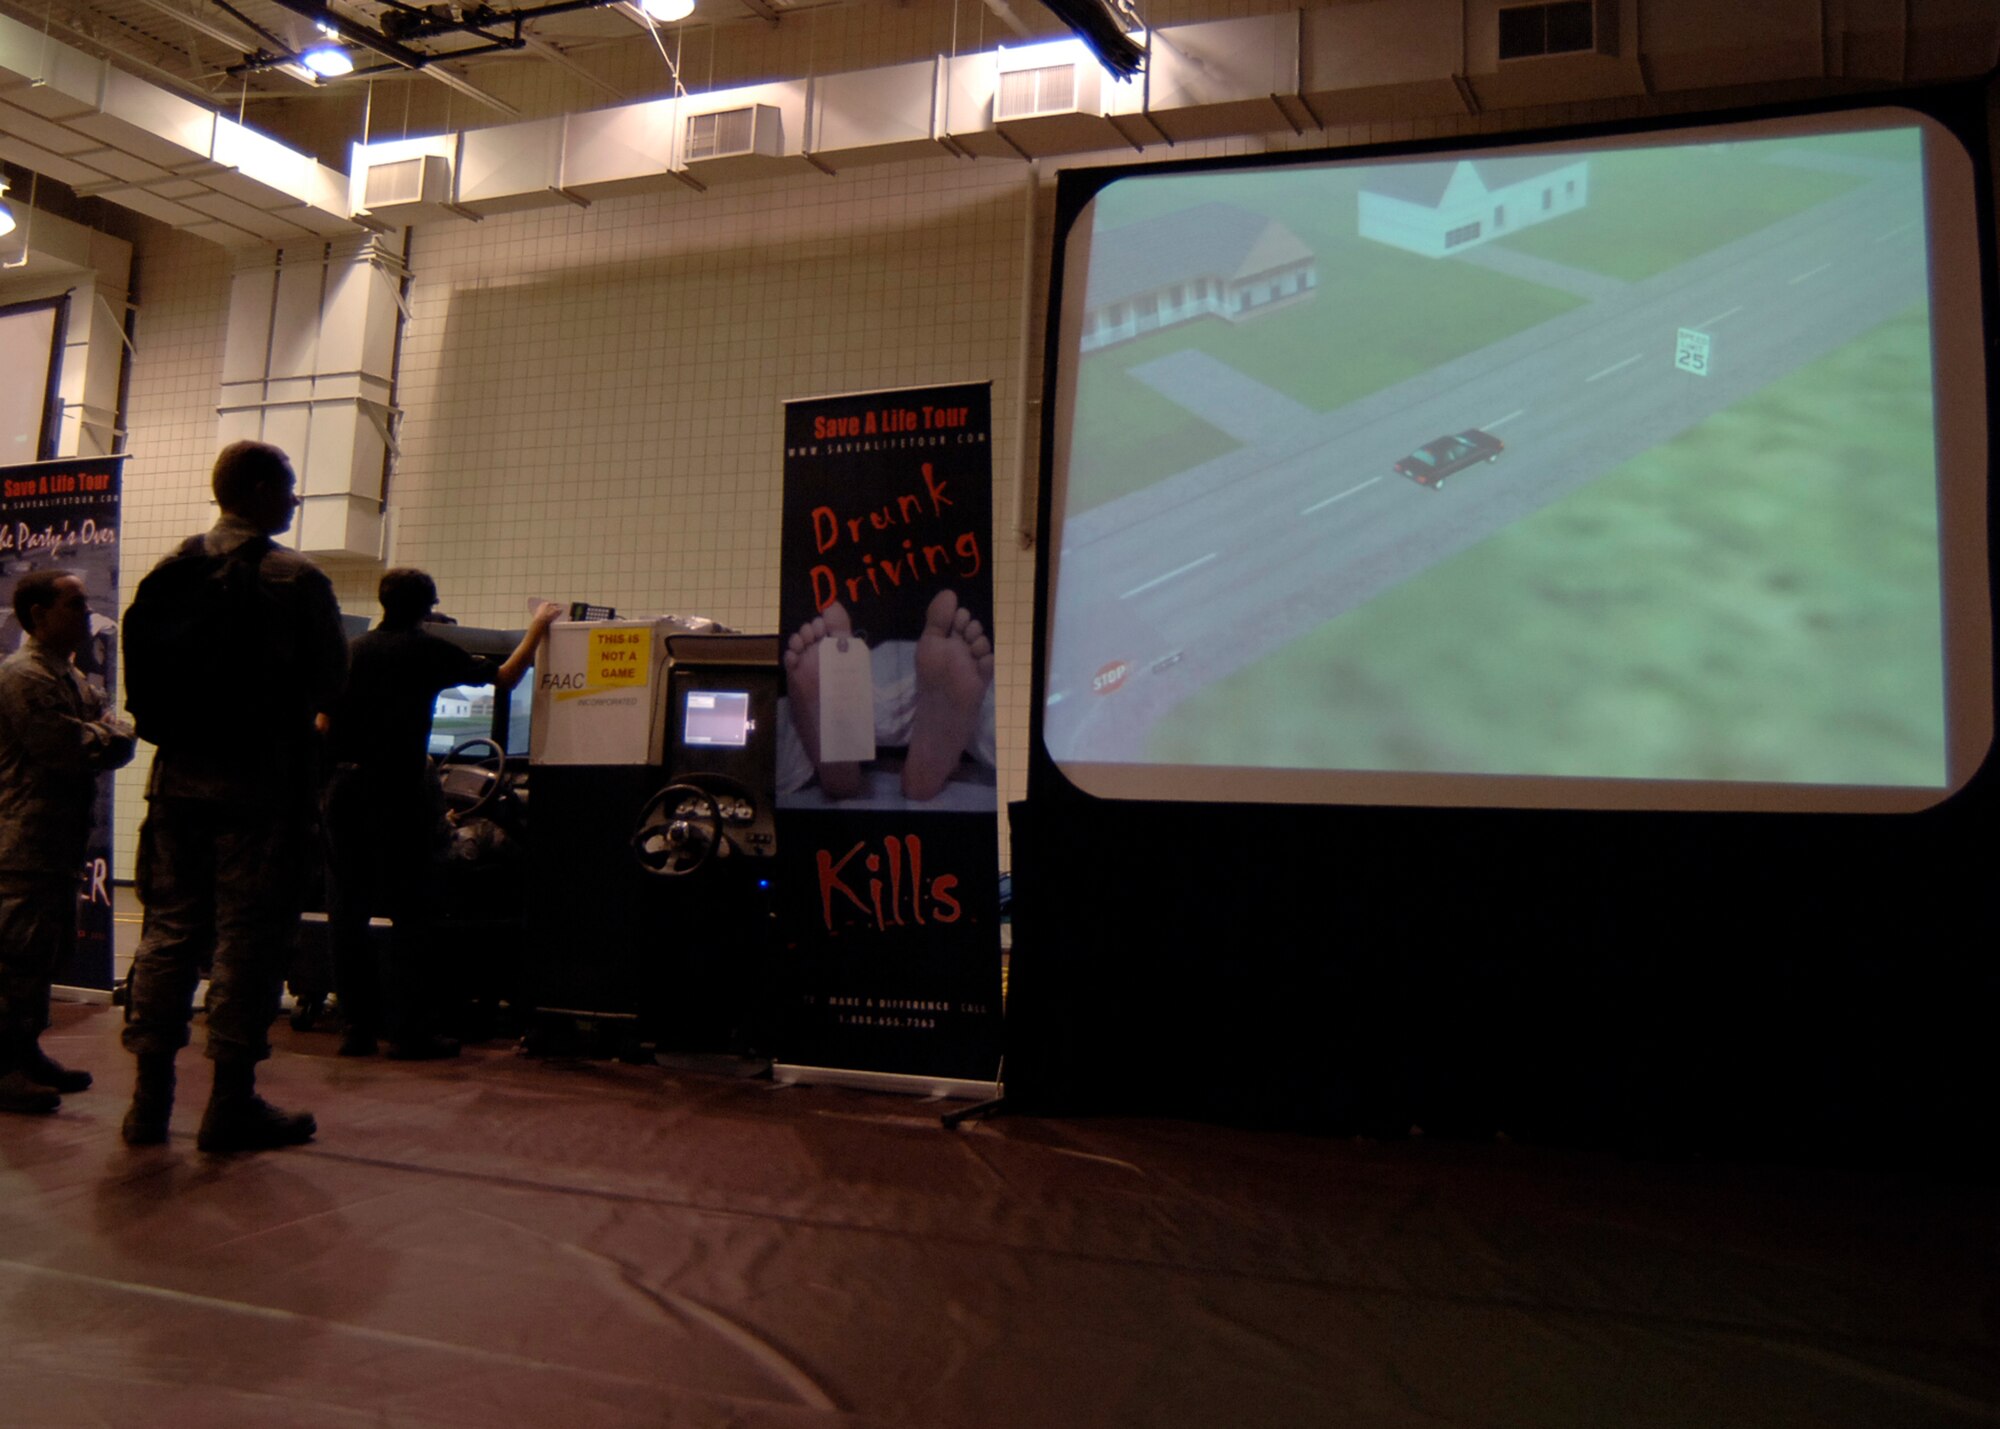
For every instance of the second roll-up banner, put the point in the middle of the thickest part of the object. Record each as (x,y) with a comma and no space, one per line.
(64,515)
(887,798)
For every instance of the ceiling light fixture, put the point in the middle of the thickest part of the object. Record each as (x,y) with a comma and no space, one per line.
(1103,25)
(667,12)
(6,213)
(328,61)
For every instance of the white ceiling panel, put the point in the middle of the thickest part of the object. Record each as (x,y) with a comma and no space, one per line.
(57,166)
(153,206)
(43,133)
(121,165)
(272,226)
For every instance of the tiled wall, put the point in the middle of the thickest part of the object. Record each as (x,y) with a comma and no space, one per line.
(594,398)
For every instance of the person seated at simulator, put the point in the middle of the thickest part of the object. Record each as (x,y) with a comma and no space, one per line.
(382,811)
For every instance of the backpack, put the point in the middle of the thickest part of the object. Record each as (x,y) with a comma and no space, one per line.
(205,653)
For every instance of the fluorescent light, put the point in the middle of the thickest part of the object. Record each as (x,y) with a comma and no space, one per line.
(328,61)
(666,12)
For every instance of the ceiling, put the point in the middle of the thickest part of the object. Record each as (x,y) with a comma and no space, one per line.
(236,59)
(231,54)
(195,112)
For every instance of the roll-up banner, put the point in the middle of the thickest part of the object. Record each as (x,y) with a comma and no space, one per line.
(63,515)
(888,810)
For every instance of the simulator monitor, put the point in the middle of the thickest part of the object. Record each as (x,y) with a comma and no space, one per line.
(721,710)
(717,718)
(465,712)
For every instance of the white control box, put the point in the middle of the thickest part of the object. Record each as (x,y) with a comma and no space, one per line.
(599,693)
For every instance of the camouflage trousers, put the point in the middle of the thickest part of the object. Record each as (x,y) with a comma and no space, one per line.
(37,934)
(222,886)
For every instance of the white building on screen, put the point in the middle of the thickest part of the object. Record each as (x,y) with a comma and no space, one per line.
(1213,260)
(1435,209)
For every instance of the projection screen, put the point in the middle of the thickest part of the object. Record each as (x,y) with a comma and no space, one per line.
(1640,472)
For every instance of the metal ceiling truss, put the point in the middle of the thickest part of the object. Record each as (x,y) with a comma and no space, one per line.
(397,56)
(402,26)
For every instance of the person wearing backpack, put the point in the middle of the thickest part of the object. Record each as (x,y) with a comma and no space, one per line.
(231,645)
(55,740)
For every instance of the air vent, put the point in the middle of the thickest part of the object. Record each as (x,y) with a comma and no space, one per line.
(1565,28)
(1048,90)
(402,183)
(734,133)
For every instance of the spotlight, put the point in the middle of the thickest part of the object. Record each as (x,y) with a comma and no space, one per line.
(1102,24)
(666,12)
(6,213)
(328,61)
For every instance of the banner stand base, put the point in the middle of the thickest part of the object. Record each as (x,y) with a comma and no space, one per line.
(979,1111)
(903,1083)
(99,995)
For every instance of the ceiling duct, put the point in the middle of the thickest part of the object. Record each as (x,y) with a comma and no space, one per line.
(108,134)
(413,36)
(1366,62)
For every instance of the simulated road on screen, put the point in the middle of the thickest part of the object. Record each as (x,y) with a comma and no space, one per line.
(1174,587)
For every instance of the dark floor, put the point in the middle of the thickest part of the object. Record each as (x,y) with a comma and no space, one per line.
(502,1241)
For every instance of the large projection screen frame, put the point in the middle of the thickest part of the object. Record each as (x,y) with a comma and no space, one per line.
(49,369)
(1951,199)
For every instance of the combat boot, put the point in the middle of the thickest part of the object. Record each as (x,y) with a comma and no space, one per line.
(238,1119)
(152,1100)
(18,1093)
(45,1071)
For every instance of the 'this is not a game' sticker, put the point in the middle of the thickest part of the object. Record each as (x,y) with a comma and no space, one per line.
(619,659)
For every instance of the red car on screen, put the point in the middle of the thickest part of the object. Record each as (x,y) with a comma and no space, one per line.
(1432,462)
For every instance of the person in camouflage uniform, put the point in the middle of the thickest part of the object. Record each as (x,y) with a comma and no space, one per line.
(222,853)
(55,740)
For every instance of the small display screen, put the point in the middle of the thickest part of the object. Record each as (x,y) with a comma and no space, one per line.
(520,704)
(718,718)
(460,713)
(466,711)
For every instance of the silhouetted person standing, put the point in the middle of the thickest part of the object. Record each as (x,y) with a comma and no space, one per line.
(55,740)
(232,644)
(382,812)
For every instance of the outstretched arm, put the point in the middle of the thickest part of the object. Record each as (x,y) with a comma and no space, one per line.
(516,665)
(40,715)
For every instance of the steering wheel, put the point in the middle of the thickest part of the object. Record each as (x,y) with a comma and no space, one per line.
(470,787)
(678,831)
